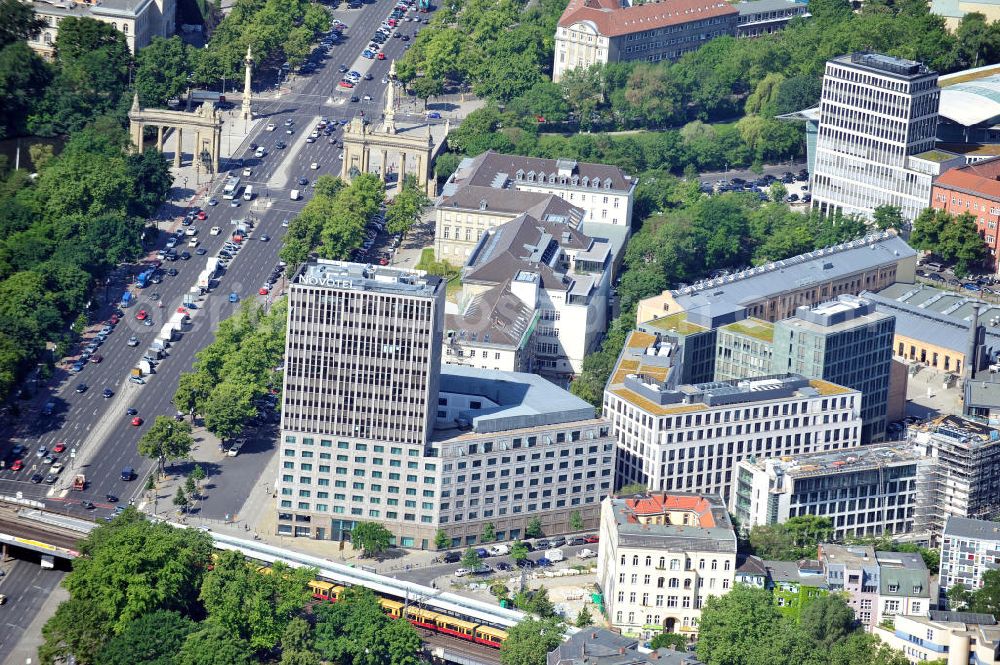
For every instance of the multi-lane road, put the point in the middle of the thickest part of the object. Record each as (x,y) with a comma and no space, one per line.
(97,428)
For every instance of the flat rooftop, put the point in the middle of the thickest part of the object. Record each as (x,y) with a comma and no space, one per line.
(347,276)
(521,400)
(839,461)
(836,316)
(881,63)
(650,521)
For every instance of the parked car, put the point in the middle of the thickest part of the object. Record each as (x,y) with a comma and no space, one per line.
(451,557)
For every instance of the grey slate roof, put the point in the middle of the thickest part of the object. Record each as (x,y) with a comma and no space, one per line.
(762,6)
(732,293)
(525,244)
(525,400)
(718,538)
(906,571)
(495,317)
(493,169)
(966,527)
(790,571)
(597,646)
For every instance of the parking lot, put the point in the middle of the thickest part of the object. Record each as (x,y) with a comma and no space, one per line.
(796,186)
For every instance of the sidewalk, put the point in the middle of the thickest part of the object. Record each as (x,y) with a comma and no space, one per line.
(31,638)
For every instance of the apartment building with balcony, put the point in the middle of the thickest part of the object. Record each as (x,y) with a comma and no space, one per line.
(374,428)
(689,437)
(866,491)
(661,556)
(969,548)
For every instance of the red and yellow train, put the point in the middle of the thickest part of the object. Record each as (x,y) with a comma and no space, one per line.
(420,617)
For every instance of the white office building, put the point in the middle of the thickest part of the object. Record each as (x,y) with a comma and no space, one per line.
(877,113)
(677,437)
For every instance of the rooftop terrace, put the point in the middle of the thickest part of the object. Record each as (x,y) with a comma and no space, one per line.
(343,275)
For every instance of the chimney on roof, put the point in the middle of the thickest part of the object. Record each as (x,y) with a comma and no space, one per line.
(621,651)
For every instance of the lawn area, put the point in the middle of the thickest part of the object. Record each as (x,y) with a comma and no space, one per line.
(442,269)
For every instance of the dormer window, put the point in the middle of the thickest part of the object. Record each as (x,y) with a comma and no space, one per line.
(576,181)
(531,176)
(519,175)
(586,181)
(552,178)
(607,183)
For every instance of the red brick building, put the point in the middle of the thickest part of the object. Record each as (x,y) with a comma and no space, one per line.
(973,189)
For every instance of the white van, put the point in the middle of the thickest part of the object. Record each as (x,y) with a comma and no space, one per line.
(248,193)
(295,195)
(554,555)
(499,550)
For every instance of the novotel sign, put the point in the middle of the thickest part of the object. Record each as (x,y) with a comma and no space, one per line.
(327,280)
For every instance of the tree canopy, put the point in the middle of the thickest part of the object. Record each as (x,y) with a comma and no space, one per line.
(371,538)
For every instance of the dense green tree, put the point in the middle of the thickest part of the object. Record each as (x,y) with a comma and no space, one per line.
(665,640)
(166,440)
(796,538)
(193,388)
(442,540)
(253,606)
(228,409)
(827,620)
(212,644)
(128,569)
(154,639)
(470,559)
(17,22)
(888,217)
(543,100)
(489,532)
(583,618)
(534,528)
(162,69)
(575,521)
(355,631)
(406,208)
(518,551)
(23,79)
(530,640)
(181,500)
(371,538)
(426,87)
(732,625)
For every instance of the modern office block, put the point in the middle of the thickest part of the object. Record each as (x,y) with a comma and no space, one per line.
(864,491)
(661,556)
(954,637)
(688,437)
(845,341)
(876,113)
(374,428)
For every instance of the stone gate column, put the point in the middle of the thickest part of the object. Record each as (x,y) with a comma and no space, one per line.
(385,164)
(402,168)
(159,138)
(180,146)
(216,149)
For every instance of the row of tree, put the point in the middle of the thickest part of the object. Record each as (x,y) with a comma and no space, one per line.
(242,365)
(145,594)
(332,223)
(744,627)
(954,238)
(685,236)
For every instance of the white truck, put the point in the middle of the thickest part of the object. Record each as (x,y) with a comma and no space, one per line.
(204,280)
(166,334)
(555,555)
(499,550)
(179,321)
(212,266)
(145,366)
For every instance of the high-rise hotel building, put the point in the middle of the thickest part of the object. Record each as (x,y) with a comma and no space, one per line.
(877,113)
(374,428)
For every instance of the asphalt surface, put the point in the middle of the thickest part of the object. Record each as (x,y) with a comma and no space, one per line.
(97,428)
(26,585)
(427,574)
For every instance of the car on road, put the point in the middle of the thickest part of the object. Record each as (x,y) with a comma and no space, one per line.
(354,100)
(59,447)
(592,538)
(185,255)
(37,478)
(136,421)
(310,139)
(314,166)
(280,145)
(433,115)
(234,297)
(87,505)
(576,541)
(201,251)
(132,411)
(284,222)
(50,479)
(214,231)
(381,56)
(56,467)
(343,69)
(525,563)
(503,565)
(367,76)
(271,127)
(213,202)
(543,562)
(17,465)
(82,388)
(133,341)
(201,213)
(587,554)
(302,181)
(141,315)
(558,541)
(459,572)
(137,379)
(367,98)
(108,393)
(451,557)
(172,272)
(265,238)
